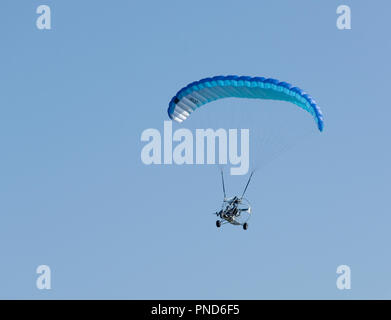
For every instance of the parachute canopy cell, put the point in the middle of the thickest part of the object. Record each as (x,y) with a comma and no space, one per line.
(198,93)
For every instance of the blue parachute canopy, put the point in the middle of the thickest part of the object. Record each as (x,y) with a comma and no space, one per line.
(206,90)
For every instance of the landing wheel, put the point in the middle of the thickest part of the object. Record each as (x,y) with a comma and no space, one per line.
(218,223)
(245,226)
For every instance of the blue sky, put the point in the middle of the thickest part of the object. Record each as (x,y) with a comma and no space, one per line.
(75,195)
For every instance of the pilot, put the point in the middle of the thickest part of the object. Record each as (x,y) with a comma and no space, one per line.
(235,200)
